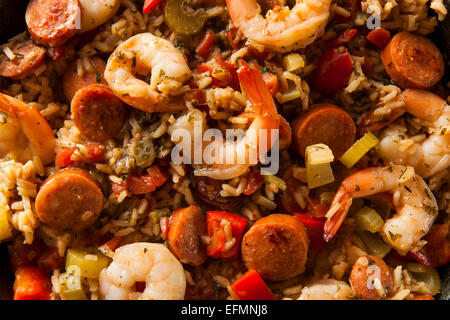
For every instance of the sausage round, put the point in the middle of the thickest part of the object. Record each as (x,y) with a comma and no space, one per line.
(186,226)
(70,200)
(276,247)
(364,272)
(324,123)
(97,112)
(72,82)
(52,22)
(28,57)
(413,61)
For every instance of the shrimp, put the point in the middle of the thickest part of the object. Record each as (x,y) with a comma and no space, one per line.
(281,30)
(139,55)
(24,133)
(328,289)
(233,158)
(414,203)
(432,154)
(151,263)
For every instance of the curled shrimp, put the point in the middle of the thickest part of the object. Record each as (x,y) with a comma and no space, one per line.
(138,56)
(433,153)
(24,133)
(281,30)
(242,154)
(151,263)
(415,205)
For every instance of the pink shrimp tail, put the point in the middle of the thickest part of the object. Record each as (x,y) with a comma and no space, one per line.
(256,90)
(333,223)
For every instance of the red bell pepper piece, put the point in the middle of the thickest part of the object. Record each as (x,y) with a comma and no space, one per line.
(206,43)
(143,183)
(251,286)
(218,236)
(254,182)
(333,71)
(437,250)
(149,5)
(32,284)
(379,37)
(314,228)
(63,157)
(343,37)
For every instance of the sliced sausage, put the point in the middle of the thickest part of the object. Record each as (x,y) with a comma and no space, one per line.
(203,286)
(208,190)
(70,200)
(362,278)
(72,81)
(28,56)
(52,22)
(97,112)
(276,247)
(186,226)
(324,123)
(413,61)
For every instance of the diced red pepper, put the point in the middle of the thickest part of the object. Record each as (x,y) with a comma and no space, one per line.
(231,38)
(206,43)
(314,228)
(333,71)
(315,208)
(436,251)
(344,37)
(272,82)
(218,236)
(149,5)
(251,286)
(234,83)
(32,284)
(63,157)
(50,260)
(254,182)
(143,183)
(95,152)
(379,37)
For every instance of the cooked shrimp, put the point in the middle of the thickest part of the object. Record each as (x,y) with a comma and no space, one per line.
(151,263)
(232,159)
(140,55)
(414,204)
(328,289)
(430,155)
(281,30)
(24,133)
(96,12)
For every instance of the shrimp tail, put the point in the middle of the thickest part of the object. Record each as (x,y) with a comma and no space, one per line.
(342,201)
(256,90)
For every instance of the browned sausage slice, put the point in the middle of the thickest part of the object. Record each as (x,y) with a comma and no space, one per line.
(276,247)
(52,22)
(97,112)
(413,61)
(28,56)
(324,123)
(364,272)
(186,226)
(70,200)
(72,82)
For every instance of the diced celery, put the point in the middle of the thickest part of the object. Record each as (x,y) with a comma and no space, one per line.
(290,95)
(318,169)
(71,288)
(427,275)
(293,61)
(318,154)
(89,264)
(359,149)
(368,219)
(5,227)
(382,208)
(374,245)
(265,202)
(280,183)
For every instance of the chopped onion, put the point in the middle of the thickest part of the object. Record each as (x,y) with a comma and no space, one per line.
(291,95)
(426,275)
(276,181)
(359,149)
(293,61)
(318,169)
(368,219)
